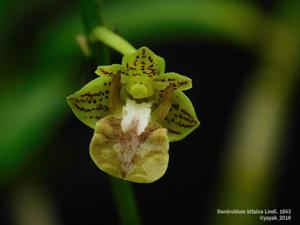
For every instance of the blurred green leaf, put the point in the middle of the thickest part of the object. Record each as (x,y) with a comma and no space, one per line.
(164,20)
(255,149)
(29,117)
(34,102)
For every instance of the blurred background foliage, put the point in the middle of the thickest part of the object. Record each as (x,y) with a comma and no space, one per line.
(243,57)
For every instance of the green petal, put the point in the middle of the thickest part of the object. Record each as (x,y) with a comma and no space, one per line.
(90,103)
(109,71)
(174,80)
(181,119)
(143,62)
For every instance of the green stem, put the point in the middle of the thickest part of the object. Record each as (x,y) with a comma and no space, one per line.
(112,39)
(125,201)
(122,191)
(92,17)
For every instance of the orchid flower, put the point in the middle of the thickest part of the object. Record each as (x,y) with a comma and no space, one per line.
(136,109)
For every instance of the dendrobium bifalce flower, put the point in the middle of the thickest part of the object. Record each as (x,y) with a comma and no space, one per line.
(135,109)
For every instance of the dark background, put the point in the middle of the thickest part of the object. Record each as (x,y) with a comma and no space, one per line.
(81,194)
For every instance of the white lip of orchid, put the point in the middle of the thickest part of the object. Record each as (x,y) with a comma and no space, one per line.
(135,116)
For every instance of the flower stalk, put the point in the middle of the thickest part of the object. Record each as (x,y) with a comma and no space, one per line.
(111,39)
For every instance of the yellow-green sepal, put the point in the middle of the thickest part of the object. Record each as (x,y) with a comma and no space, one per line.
(91,102)
(181,119)
(143,62)
(109,71)
(174,80)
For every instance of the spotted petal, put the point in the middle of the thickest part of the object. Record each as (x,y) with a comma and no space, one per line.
(143,62)
(174,80)
(91,103)
(181,119)
(114,153)
(109,71)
